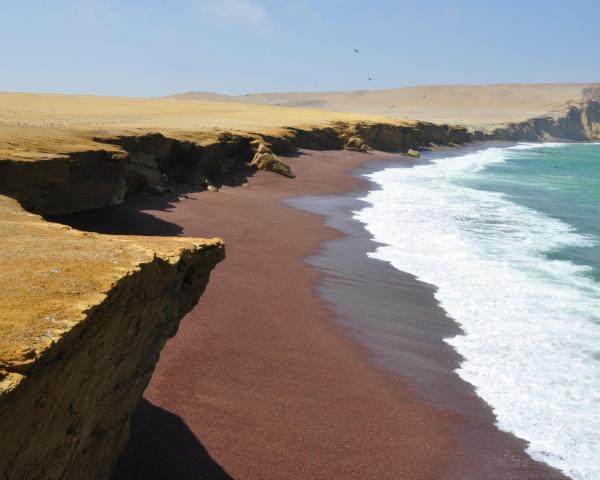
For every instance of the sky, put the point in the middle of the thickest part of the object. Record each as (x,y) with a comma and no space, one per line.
(155,48)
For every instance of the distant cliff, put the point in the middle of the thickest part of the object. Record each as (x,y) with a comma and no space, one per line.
(577,121)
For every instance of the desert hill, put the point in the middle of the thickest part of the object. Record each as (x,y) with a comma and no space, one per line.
(472,105)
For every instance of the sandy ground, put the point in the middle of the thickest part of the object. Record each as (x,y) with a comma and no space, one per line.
(38,126)
(264,381)
(473,105)
(95,112)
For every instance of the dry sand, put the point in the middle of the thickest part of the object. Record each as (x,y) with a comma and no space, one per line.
(40,126)
(85,113)
(473,105)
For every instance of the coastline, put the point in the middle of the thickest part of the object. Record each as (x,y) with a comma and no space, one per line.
(270,397)
(402,326)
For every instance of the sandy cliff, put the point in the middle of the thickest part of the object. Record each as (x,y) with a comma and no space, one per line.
(84,318)
(112,166)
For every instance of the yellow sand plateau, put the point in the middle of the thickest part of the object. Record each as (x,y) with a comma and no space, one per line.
(471,105)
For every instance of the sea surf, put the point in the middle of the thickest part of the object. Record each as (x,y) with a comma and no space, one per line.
(510,238)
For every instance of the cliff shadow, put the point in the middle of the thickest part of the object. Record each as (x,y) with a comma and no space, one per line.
(131,218)
(128,218)
(162,447)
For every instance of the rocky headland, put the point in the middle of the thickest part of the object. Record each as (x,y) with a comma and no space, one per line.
(575,121)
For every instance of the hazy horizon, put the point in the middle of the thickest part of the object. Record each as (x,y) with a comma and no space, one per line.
(433,85)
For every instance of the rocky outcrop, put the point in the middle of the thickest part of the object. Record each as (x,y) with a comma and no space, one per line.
(591,93)
(265,159)
(356,144)
(578,121)
(401,138)
(84,317)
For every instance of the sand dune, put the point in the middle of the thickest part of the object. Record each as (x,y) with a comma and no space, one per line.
(473,105)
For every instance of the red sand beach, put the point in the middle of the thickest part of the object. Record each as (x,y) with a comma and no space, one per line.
(265,381)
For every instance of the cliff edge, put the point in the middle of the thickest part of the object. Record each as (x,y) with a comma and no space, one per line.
(84,317)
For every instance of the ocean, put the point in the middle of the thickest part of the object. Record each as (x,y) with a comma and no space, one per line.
(510,236)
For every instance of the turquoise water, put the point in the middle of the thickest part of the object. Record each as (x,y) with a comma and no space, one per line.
(561,181)
(510,236)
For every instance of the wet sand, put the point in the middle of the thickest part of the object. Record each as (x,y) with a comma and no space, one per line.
(305,359)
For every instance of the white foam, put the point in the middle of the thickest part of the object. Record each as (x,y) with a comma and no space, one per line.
(531,325)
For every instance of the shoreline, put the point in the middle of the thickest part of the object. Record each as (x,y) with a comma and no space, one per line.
(267,396)
(397,319)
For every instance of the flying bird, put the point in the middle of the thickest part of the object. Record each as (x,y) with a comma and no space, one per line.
(356,50)
(370,78)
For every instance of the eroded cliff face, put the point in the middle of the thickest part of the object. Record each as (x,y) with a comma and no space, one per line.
(84,317)
(147,162)
(390,137)
(73,182)
(578,121)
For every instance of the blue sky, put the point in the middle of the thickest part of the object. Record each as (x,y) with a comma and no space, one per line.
(153,48)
